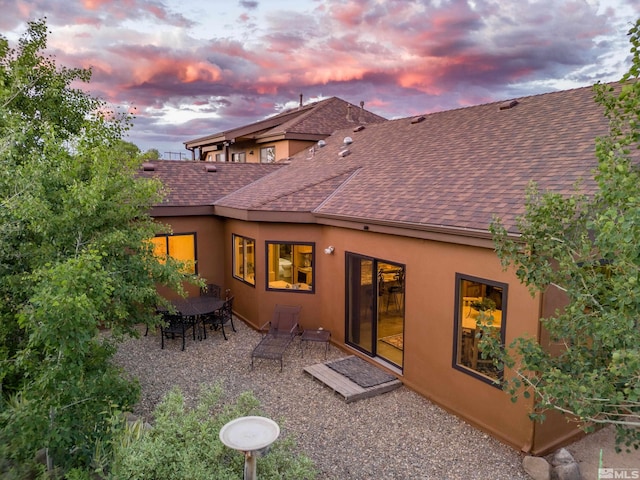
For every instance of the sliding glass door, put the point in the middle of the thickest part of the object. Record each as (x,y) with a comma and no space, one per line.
(375,307)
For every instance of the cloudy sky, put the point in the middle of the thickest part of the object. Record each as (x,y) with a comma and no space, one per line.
(195,67)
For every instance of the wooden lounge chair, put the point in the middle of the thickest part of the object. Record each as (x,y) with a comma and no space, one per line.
(278,333)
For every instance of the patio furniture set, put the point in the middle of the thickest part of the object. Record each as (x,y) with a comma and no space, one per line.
(209,311)
(193,313)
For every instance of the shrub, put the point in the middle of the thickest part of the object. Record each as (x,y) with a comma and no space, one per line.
(185,444)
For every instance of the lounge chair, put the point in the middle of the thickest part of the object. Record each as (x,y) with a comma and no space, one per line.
(278,333)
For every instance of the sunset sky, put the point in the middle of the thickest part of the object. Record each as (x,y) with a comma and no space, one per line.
(195,67)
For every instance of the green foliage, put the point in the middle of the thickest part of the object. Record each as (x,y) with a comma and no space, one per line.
(185,444)
(127,149)
(589,248)
(151,154)
(74,258)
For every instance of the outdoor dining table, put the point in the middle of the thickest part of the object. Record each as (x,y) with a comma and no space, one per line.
(196,306)
(192,308)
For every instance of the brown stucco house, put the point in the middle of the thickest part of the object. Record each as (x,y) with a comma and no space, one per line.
(281,136)
(382,236)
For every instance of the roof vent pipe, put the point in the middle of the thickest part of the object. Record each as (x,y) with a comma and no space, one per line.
(300,100)
(361,116)
(349,115)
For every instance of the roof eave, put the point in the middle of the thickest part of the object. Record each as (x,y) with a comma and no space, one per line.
(247,130)
(441,233)
(264,215)
(272,137)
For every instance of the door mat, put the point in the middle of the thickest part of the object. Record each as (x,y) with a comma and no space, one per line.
(360,371)
(394,340)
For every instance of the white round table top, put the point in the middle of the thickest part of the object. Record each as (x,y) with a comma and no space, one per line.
(249,433)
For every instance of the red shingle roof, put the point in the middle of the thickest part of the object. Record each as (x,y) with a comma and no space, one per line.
(190,184)
(454,169)
(314,119)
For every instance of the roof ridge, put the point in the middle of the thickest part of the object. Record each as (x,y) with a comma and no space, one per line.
(301,187)
(317,106)
(337,190)
(499,102)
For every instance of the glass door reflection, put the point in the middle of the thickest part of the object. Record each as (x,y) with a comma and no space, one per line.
(375,307)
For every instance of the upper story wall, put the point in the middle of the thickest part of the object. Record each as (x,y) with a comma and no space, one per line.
(253,152)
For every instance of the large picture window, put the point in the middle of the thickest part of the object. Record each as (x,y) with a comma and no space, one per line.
(480,310)
(244,259)
(181,247)
(290,266)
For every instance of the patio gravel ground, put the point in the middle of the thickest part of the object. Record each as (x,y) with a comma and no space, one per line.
(396,435)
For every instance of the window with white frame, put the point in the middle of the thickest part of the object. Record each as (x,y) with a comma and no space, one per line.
(239,157)
(267,154)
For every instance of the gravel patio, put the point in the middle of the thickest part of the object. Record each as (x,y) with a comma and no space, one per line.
(396,435)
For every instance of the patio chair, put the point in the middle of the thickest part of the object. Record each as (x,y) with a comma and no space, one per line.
(211,290)
(285,321)
(219,318)
(227,312)
(278,333)
(175,325)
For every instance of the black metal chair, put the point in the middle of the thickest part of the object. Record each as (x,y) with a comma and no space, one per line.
(227,313)
(219,318)
(175,325)
(211,290)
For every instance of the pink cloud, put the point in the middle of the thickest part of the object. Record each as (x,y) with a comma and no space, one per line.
(399,56)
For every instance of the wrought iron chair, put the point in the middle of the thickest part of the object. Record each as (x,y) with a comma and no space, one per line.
(211,290)
(175,325)
(219,318)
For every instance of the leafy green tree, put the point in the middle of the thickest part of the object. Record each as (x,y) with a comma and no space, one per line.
(127,149)
(151,154)
(185,445)
(74,258)
(589,248)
